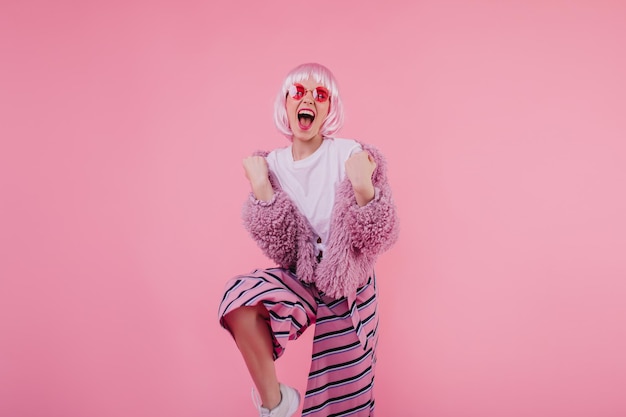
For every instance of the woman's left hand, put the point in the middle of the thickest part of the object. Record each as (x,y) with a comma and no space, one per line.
(359,170)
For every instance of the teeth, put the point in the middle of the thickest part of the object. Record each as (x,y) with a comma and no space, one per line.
(307,112)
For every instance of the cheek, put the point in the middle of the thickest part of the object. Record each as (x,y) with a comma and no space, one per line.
(324,114)
(290,112)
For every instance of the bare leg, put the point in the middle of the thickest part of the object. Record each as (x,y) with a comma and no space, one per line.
(250,328)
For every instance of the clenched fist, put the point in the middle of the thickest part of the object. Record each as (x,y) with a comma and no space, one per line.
(256,169)
(257,173)
(359,170)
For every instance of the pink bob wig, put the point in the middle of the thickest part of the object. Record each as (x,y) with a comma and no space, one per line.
(322,75)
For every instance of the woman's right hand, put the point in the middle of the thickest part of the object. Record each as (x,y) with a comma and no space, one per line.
(257,173)
(256,169)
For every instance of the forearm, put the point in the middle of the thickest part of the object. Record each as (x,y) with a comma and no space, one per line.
(364,193)
(262,190)
(374,226)
(373,221)
(272,225)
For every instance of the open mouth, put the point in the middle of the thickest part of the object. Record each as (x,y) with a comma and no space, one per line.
(305,118)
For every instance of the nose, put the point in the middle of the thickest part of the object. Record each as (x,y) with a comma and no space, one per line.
(308,96)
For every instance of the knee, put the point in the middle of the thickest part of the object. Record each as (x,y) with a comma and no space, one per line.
(246,315)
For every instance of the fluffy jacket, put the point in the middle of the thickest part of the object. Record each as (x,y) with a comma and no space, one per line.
(357,234)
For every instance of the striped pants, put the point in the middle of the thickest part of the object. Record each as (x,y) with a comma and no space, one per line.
(341,378)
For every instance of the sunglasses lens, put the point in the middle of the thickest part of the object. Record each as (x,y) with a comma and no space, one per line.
(297,91)
(321,94)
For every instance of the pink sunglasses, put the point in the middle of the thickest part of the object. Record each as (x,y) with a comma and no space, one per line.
(320,94)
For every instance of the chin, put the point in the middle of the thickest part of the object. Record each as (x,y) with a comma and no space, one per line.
(307,138)
(304,135)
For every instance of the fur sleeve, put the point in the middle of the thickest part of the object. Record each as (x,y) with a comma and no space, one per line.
(273,226)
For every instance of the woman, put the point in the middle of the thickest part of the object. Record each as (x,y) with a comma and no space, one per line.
(321,208)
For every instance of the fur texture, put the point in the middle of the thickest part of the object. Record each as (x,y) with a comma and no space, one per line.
(357,234)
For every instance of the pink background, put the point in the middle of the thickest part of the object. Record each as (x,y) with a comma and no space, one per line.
(123,126)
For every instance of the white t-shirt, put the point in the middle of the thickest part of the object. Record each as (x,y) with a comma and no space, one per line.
(311,182)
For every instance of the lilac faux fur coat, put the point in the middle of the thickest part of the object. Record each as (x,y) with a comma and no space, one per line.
(357,234)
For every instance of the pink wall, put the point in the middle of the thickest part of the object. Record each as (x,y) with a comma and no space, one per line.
(122,129)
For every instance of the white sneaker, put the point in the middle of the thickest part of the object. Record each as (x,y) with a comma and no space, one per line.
(289,402)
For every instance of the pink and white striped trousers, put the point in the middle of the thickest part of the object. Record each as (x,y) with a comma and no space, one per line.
(341,378)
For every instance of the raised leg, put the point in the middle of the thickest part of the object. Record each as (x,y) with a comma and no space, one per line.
(250,328)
